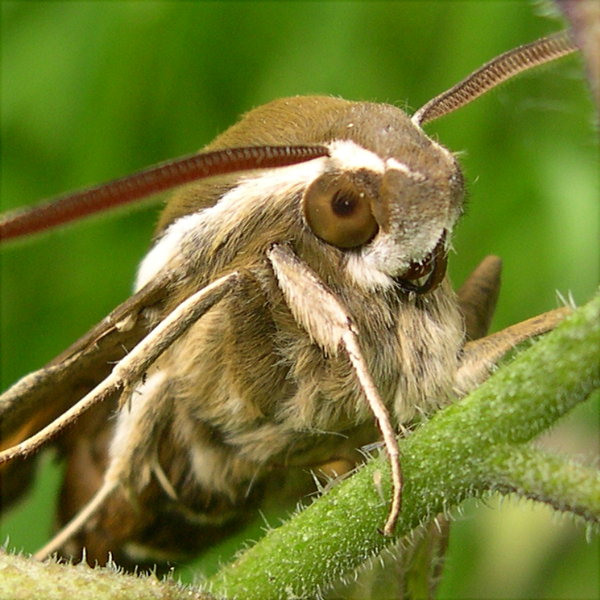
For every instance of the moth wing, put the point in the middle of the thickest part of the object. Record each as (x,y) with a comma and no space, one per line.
(40,397)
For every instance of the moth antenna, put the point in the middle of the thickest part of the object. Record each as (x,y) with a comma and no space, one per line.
(79,521)
(132,367)
(164,176)
(493,73)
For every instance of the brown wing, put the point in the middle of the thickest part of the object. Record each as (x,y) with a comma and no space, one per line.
(40,397)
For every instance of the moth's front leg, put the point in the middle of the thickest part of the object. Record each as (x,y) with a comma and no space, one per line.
(477,299)
(329,325)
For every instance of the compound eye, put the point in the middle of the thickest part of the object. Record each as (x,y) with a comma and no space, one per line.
(339,214)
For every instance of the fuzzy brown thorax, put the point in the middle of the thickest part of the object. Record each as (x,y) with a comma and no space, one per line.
(414,190)
(248,389)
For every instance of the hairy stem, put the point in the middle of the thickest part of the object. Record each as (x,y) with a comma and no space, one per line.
(443,462)
(553,480)
(24,579)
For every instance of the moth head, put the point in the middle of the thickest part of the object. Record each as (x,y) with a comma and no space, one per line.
(382,192)
(381,203)
(388,197)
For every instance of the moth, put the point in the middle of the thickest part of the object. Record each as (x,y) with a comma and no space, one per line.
(267,292)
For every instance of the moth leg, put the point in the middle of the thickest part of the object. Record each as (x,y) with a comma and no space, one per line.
(84,516)
(131,368)
(24,407)
(134,457)
(480,356)
(331,327)
(124,376)
(478,296)
(419,560)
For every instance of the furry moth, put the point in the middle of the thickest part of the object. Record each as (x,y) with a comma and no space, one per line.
(241,320)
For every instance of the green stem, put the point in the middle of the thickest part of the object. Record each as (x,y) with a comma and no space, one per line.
(553,480)
(24,579)
(443,462)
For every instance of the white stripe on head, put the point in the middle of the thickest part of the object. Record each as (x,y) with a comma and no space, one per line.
(250,191)
(283,181)
(349,156)
(392,163)
(370,268)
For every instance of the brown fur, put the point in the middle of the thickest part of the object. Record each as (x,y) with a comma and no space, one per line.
(247,394)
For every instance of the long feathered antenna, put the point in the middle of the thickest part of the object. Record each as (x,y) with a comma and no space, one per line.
(493,73)
(73,206)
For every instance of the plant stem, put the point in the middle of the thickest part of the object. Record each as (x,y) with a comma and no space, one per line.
(444,461)
(554,480)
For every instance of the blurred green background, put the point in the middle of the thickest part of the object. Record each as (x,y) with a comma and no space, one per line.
(94,90)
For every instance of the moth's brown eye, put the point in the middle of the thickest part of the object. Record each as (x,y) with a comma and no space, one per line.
(339,214)
(345,204)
